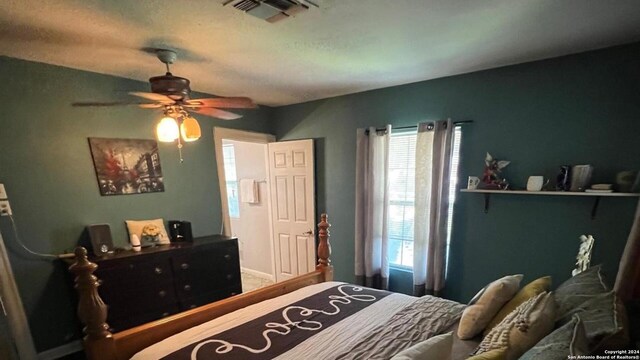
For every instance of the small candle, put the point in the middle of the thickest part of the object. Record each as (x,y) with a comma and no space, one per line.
(135,242)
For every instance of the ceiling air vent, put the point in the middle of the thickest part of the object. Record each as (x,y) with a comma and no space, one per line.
(246,5)
(271,10)
(281,5)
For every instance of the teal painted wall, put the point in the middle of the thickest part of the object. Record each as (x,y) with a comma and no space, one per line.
(46,166)
(576,109)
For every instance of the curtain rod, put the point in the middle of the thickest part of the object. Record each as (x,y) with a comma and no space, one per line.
(416,126)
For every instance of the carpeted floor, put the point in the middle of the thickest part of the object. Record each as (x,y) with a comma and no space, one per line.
(251,282)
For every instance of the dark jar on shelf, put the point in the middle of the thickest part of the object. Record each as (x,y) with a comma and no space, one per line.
(563,181)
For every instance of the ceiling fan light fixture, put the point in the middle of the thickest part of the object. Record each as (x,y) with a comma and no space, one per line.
(190,129)
(167,129)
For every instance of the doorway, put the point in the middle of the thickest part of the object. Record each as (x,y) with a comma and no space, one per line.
(246,215)
(268,203)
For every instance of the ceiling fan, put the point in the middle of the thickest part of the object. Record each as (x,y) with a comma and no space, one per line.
(172,94)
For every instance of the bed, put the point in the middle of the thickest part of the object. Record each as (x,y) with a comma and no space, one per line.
(313,317)
(310,316)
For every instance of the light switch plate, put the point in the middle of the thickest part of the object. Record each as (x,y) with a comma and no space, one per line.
(5,208)
(3,192)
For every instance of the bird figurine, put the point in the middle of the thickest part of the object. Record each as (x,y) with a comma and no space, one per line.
(491,176)
(583,260)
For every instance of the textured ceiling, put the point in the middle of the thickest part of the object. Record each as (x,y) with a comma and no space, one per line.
(343,47)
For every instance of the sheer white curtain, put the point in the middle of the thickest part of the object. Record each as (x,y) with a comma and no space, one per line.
(372,203)
(433,166)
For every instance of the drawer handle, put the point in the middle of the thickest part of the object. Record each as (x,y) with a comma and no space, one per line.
(158,270)
(184,266)
(229,276)
(162,293)
(165,314)
(187,287)
(227,257)
(234,293)
(192,306)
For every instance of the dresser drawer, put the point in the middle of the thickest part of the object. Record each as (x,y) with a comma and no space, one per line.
(227,256)
(186,288)
(203,299)
(136,273)
(216,259)
(122,321)
(134,299)
(206,271)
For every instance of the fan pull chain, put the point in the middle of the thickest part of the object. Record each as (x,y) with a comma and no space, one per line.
(180,151)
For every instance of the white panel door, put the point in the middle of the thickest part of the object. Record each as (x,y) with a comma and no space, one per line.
(291,176)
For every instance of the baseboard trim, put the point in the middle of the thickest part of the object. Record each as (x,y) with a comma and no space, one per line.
(60,351)
(259,274)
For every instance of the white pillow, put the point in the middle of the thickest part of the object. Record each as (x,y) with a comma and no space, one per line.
(491,299)
(135,228)
(435,348)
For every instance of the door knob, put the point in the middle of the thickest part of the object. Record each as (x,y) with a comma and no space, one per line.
(308,233)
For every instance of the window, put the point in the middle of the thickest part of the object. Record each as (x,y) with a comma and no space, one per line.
(229,159)
(402,168)
(453,185)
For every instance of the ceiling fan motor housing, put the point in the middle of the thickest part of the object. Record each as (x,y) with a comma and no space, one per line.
(174,87)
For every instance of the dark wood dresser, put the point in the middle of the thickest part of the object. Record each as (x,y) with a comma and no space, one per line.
(160,281)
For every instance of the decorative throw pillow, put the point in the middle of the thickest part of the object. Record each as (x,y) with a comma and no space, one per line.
(476,317)
(149,232)
(569,339)
(530,290)
(477,296)
(579,289)
(522,328)
(604,317)
(435,348)
(495,354)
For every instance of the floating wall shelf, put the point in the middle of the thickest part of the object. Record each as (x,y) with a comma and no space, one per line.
(596,195)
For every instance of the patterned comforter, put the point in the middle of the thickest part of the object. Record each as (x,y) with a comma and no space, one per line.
(329,321)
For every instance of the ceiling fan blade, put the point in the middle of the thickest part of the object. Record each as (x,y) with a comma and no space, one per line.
(150,105)
(223,102)
(216,113)
(116,103)
(165,100)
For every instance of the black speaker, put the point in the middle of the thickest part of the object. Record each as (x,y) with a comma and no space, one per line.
(100,236)
(180,231)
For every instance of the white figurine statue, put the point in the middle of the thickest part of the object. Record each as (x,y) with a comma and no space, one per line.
(583,260)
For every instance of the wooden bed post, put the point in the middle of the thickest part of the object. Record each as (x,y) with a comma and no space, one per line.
(92,311)
(324,249)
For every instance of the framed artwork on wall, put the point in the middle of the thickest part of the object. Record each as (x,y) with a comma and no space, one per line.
(126,166)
